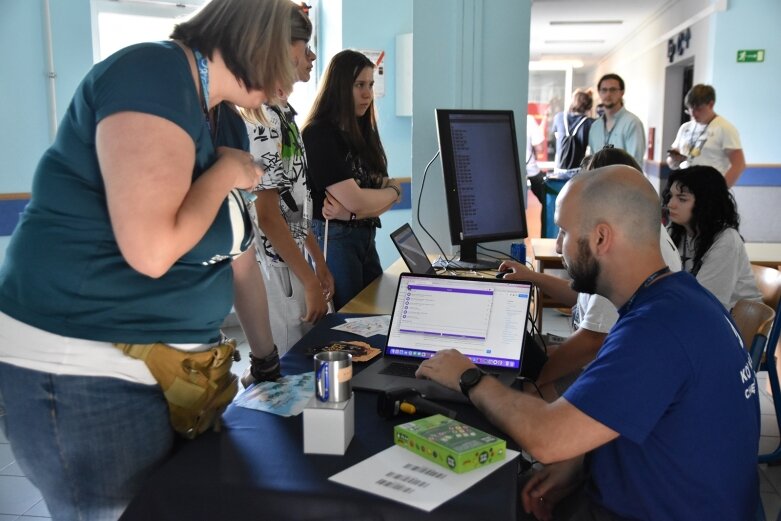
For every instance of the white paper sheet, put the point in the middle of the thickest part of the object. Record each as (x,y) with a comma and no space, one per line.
(403,476)
(366,326)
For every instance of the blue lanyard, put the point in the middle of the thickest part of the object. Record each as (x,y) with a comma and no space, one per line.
(203,74)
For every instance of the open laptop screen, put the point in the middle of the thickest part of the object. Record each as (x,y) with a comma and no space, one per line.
(485,319)
(411,251)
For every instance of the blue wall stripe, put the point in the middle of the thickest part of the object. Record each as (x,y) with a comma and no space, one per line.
(765,175)
(406,197)
(10,209)
(769,175)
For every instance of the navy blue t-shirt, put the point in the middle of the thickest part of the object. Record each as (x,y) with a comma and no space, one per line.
(675,382)
(63,270)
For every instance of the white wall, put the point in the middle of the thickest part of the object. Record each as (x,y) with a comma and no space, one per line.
(746,93)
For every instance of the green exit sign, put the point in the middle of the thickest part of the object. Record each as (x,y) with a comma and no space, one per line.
(751,55)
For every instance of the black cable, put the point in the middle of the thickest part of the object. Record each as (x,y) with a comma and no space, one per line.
(420,196)
(527,379)
(535,329)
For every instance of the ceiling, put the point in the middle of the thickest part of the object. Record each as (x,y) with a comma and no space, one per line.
(585,30)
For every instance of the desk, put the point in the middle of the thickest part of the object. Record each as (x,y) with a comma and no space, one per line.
(544,255)
(377,298)
(759,253)
(256,469)
(764,253)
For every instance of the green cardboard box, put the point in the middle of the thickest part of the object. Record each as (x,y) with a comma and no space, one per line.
(450,443)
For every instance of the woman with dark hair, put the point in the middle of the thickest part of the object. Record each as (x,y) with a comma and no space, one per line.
(135,237)
(348,173)
(704,225)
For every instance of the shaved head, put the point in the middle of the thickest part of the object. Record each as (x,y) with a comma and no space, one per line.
(617,196)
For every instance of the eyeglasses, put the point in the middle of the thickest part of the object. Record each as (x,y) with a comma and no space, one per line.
(309,51)
(611,90)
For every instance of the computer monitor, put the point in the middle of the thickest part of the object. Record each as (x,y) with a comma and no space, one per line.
(482,174)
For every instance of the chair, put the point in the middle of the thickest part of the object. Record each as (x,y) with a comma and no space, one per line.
(769,284)
(754,320)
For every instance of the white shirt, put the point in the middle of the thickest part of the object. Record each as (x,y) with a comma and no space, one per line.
(711,143)
(726,270)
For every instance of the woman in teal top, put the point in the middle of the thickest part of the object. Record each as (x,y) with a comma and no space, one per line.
(134,234)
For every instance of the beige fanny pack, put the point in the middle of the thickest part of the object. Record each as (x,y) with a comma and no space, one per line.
(197,385)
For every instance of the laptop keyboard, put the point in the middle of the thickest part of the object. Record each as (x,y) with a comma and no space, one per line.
(399,369)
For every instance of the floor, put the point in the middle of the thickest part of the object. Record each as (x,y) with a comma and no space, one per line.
(20,500)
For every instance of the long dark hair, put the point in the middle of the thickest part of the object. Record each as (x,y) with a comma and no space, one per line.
(714,208)
(334,103)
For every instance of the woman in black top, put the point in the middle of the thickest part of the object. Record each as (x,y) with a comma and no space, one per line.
(348,173)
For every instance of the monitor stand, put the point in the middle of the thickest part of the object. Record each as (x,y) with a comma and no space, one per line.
(468,260)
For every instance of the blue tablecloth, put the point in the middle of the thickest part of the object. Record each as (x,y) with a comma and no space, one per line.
(256,469)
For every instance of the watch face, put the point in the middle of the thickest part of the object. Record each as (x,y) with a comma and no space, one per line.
(469,379)
(471,376)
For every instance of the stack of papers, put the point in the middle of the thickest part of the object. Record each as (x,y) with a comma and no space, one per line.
(366,326)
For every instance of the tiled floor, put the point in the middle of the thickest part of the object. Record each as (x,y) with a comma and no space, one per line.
(20,500)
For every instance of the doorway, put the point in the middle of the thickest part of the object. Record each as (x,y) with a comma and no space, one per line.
(678,79)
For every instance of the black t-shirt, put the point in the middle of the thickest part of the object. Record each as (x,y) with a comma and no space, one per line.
(330,160)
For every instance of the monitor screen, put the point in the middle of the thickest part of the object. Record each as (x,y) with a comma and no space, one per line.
(482,174)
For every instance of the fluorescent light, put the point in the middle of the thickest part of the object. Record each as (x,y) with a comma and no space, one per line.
(586,22)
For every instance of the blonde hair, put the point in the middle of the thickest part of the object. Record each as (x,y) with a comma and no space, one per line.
(300,29)
(253,37)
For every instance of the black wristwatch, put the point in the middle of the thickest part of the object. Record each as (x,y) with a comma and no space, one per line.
(470,378)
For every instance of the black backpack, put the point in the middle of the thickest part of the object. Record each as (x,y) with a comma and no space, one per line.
(572,151)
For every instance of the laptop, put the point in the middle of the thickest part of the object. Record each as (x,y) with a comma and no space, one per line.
(484,318)
(411,251)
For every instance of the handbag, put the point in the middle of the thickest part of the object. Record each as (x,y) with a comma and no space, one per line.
(198,386)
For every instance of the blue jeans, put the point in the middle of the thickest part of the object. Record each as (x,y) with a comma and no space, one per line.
(352,258)
(87,443)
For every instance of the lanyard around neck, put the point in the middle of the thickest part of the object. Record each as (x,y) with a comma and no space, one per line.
(650,280)
(203,74)
(608,134)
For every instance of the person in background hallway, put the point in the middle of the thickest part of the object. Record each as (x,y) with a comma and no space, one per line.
(618,126)
(708,139)
(704,224)
(664,424)
(592,315)
(535,136)
(299,293)
(571,131)
(348,173)
(135,233)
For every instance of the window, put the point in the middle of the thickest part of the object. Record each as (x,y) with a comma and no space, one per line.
(119,23)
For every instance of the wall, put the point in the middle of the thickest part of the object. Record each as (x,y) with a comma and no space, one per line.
(467,54)
(745,92)
(23,82)
(395,131)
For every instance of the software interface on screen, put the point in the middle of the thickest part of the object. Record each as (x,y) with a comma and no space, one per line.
(487,173)
(485,320)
